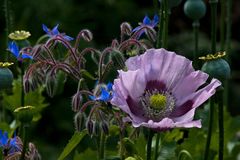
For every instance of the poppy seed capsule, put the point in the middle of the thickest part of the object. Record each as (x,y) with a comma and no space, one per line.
(6,78)
(194,9)
(217,68)
(24,114)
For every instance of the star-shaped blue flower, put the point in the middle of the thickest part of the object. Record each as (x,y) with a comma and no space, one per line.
(105,95)
(147,22)
(9,143)
(55,32)
(13,48)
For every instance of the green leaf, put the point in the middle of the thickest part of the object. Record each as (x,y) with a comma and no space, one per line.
(73,142)
(87,154)
(86,74)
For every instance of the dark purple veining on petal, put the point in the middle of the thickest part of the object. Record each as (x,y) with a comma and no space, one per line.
(181,110)
(135,108)
(155,84)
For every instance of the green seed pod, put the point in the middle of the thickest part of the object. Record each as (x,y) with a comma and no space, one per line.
(24,114)
(217,68)
(195,9)
(6,76)
(130,158)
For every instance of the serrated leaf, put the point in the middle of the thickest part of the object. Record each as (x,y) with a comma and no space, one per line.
(73,142)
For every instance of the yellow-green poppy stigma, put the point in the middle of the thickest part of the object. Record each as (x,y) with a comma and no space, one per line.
(210,57)
(5,64)
(19,35)
(158,101)
(24,114)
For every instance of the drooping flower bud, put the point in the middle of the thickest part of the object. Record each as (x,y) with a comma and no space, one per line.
(51,85)
(32,153)
(79,121)
(126,28)
(118,59)
(24,114)
(86,35)
(105,127)
(216,66)
(194,9)
(6,76)
(89,126)
(76,102)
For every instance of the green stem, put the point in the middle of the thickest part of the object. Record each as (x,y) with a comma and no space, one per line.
(210,123)
(102,146)
(157,146)
(24,139)
(149,145)
(222,26)
(228,28)
(160,27)
(2,111)
(221,125)
(22,91)
(196,32)
(165,25)
(213,5)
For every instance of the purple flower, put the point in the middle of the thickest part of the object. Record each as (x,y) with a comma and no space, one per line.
(161,90)
(13,48)
(10,144)
(146,22)
(55,32)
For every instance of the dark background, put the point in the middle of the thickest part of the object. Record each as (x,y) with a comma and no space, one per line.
(103,18)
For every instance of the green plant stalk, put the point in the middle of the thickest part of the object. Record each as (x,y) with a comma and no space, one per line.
(157,146)
(24,139)
(210,124)
(149,144)
(2,118)
(160,26)
(222,26)
(196,32)
(221,125)
(22,89)
(102,146)
(8,21)
(165,24)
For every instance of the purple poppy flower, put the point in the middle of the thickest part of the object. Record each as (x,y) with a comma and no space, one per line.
(146,22)
(161,90)
(13,48)
(55,32)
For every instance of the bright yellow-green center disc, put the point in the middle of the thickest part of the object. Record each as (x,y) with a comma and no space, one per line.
(158,101)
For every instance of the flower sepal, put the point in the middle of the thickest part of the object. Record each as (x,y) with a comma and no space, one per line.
(24,114)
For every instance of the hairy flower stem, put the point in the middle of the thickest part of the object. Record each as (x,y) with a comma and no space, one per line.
(221,125)
(102,146)
(160,27)
(157,146)
(149,144)
(210,123)
(196,31)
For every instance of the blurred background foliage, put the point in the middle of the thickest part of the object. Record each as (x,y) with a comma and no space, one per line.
(103,18)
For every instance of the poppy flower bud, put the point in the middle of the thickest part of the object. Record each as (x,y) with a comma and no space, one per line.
(195,9)
(6,76)
(118,59)
(216,66)
(24,114)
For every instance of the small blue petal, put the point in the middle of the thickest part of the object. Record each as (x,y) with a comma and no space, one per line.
(55,30)
(155,20)
(146,20)
(109,86)
(105,95)
(68,38)
(92,97)
(137,29)
(25,56)
(45,28)
(13,48)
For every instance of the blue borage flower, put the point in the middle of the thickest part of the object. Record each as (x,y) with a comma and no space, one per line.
(147,22)
(14,49)
(55,32)
(105,94)
(9,143)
